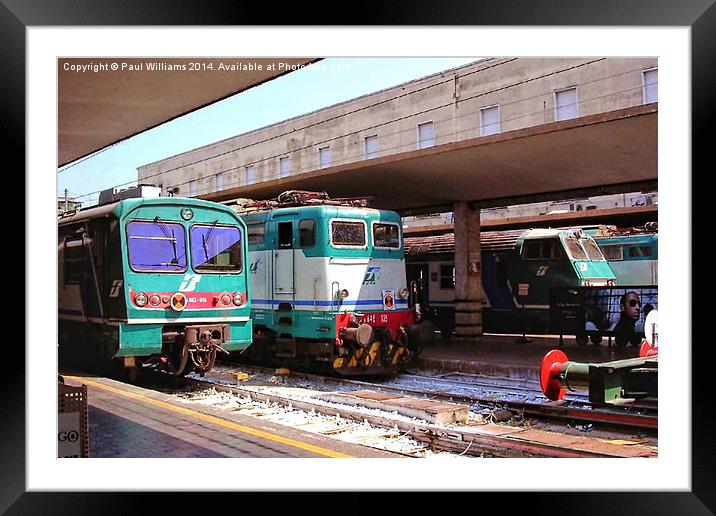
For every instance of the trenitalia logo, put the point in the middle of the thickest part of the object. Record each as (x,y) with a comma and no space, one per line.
(190,282)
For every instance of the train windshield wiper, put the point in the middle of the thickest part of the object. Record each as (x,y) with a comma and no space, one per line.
(172,238)
(205,239)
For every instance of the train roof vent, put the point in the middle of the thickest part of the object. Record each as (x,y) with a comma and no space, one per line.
(133,192)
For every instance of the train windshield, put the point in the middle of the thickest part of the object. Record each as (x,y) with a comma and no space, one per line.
(156,246)
(348,233)
(593,251)
(575,250)
(215,248)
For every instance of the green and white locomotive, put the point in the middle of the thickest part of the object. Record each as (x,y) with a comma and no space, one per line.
(153,279)
(329,287)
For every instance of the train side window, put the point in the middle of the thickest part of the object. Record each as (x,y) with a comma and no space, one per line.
(285,235)
(613,252)
(307,233)
(73,260)
(542,250)
(532,250)
(555,250)
(640,251)
(256,233)
(447,277)
(386,235)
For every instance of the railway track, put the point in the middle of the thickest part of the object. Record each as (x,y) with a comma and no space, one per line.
(477,437)
(490,393)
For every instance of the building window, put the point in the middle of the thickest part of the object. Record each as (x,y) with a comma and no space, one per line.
(324,157)
(284,166)
(192,188)
(250,174)
(447,277)
(565,104)
(426,135)
(650,81)
(371,147)
(489,120)
(219,182)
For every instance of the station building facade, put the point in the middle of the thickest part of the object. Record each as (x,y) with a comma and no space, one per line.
(486,97)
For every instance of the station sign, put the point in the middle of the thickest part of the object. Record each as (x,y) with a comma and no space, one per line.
(69,442)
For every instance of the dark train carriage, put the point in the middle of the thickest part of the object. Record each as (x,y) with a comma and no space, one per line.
(519,269)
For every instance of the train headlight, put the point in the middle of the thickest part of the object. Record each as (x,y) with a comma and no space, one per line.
(586,283)
(154,300)
(238,299)
(403,294)
(610,282)
(140,299)
(343,294)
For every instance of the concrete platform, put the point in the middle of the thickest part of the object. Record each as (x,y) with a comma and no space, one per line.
(503,355)
(129,421)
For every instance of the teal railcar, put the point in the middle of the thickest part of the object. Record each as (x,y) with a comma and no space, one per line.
(329,285)
(633,253)
(154,280)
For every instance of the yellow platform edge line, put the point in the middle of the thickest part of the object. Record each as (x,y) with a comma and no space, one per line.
(217,421)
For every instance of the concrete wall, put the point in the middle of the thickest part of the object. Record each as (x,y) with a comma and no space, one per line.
(523,88)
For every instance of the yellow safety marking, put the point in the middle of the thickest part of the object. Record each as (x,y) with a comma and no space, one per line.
(337,363)
(398,354)
(370,356)
(218,421)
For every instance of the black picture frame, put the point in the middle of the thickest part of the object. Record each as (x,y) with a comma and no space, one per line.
(700,15)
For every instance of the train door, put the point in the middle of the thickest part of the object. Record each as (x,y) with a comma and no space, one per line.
(283,280)
(419,273)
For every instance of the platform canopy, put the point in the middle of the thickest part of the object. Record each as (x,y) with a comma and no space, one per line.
(606,153)
(99,106)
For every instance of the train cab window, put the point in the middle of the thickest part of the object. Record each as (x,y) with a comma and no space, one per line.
(547,249)
(348,233)
(640,251)
(386,235)
(307,233)
(576,251)
(215,248)
(285,235)
(156,246)
(73,260)
(592,249)
(256,233)
(613,252)
(447,277)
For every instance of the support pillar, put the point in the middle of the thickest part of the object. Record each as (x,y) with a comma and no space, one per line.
(468,276)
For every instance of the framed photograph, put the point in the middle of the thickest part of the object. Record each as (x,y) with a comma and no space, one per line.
(35,35)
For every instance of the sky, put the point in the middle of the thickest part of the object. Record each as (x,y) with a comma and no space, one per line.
(330,81)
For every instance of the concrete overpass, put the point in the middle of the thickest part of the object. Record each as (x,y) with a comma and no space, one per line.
(611,152)
(99,106)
